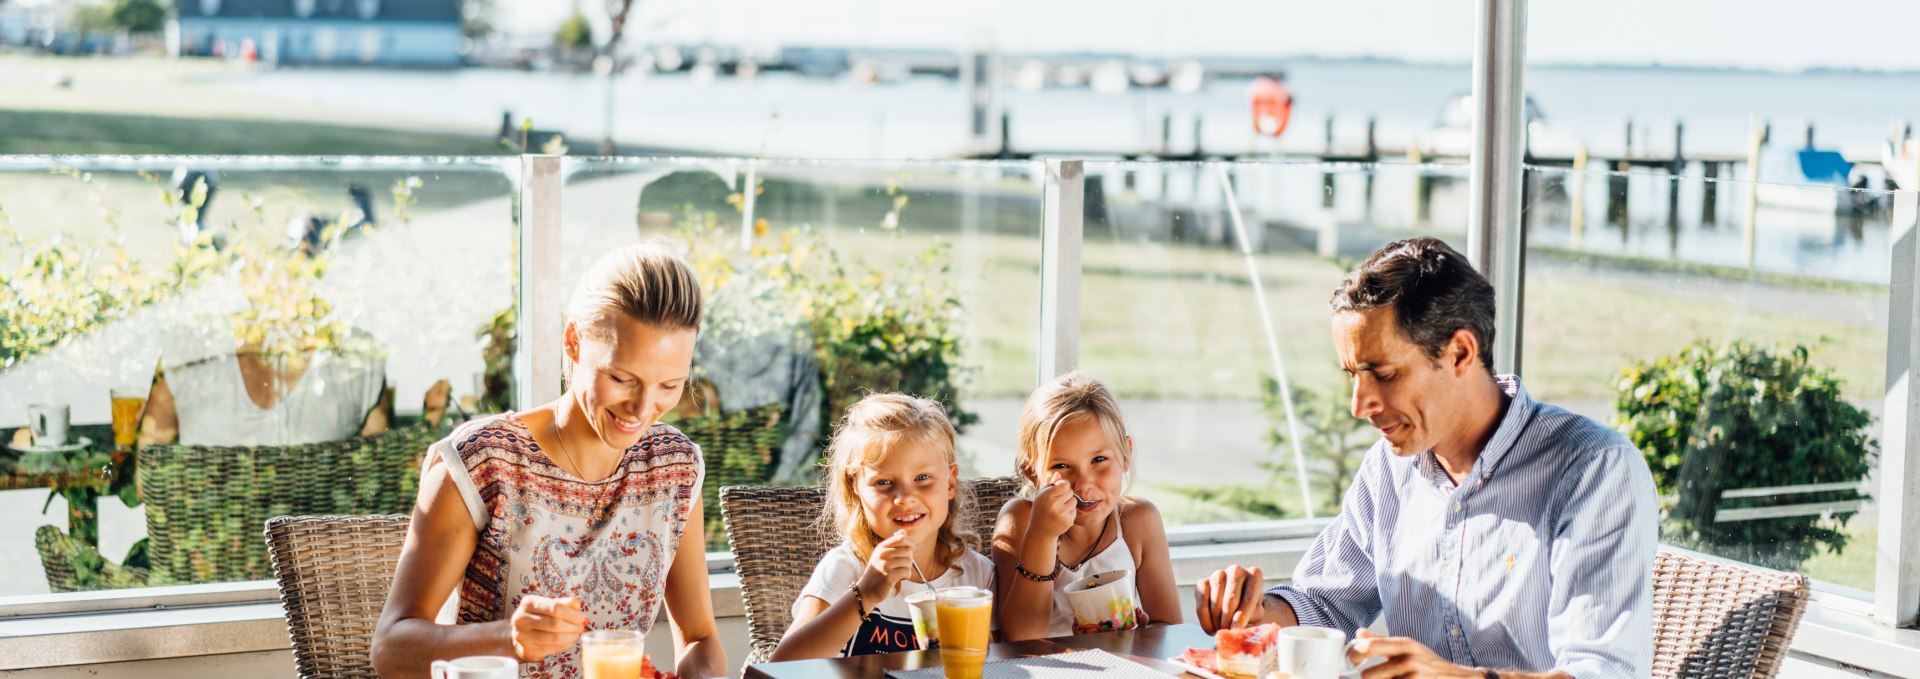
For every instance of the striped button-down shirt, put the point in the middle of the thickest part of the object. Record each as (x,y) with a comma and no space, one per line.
(1541,559)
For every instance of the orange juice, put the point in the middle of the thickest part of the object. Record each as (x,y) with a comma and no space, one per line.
(610,662)
(611,654)
(965,623)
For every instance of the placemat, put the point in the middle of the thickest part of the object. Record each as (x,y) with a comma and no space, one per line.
(1075,665)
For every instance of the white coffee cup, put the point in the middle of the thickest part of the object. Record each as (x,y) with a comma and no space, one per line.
(477,667)
(49,424)
(1313,653)
(1104,602)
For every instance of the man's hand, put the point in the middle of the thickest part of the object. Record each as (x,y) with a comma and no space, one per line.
(1405,658)
(1229,598)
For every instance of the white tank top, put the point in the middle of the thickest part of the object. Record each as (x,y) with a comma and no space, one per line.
(1116,557)
(328,402)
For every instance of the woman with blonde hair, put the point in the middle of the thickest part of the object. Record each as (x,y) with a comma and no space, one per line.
(580,514)
(895,496)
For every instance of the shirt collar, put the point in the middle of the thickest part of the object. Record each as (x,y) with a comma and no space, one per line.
(1519,410)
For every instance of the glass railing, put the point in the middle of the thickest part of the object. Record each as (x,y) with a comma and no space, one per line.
(255,285)
(1177,258)
(1737,332)
(827,281)
(277,323)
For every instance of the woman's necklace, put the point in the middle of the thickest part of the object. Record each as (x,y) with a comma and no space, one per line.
(562,440)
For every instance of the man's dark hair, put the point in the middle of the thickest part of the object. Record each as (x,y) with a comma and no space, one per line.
(1433,292)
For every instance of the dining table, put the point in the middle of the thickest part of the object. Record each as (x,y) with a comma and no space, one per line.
(1150,646)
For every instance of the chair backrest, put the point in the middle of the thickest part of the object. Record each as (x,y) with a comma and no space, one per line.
(1712,619)
(776,543)
(205,504)
(334,573)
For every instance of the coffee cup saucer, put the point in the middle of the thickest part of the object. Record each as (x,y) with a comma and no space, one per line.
(80,443)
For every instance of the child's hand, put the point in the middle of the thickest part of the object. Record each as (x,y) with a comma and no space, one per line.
(891,563)
(1053,509)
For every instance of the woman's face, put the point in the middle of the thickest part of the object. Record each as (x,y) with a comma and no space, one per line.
(1091,466)
(907,489)
(625,382)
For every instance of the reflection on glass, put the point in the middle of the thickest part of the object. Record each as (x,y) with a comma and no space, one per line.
(828,281)
(254,338)
(1742,350)
(1169,319)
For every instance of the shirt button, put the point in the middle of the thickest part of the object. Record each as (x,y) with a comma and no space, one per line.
(1457,507)
(1486,475)
(1455,632)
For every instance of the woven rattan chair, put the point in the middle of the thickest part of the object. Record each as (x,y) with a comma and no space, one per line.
(205,505)
(334,573)
(1713,619)
(777,542)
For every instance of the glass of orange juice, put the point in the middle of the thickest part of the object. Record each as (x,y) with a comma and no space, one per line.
(128,402)
(965,623)
(611,654)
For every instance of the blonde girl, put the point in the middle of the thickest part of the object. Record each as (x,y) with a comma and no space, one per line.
(895,496)
(1076,519)
(583,513)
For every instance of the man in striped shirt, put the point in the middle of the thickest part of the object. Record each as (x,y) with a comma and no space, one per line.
(1499,536)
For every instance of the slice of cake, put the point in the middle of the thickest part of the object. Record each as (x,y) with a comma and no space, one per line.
(1246,652)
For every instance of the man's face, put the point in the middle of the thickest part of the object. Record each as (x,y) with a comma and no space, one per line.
(1410,398)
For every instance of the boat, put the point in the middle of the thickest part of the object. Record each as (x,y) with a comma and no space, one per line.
(1452,136)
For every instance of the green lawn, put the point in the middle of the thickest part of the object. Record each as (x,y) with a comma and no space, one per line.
(73,132)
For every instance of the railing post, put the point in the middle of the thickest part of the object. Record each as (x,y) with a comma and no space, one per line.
(1060,241)
(1495,237)
(1896,591)
(537,356)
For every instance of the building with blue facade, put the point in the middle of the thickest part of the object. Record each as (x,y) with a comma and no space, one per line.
(320,32)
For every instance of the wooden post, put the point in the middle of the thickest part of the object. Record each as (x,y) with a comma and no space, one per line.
(1006,135)
(1329,151)
(1198,150)
(1166,133)
(1759,137)
(1373,149)
(1679,153)
(1627,152)
(1709,193)
(1579,177)
(1809,134)
(1419,184)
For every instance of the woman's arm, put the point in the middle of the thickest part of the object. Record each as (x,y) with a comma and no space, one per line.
(697,650)
(440,541)
(1025,607)
(1153,566)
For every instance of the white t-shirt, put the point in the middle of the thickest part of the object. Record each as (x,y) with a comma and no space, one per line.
(890,627)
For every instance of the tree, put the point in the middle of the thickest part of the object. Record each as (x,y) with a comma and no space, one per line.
(139,16)
(1711,419)
(574,34)
(1330,437)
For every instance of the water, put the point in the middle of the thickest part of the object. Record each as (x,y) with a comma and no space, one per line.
(786,115)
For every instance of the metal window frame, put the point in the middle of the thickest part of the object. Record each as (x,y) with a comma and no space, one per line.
(1060,273)
(1896,592)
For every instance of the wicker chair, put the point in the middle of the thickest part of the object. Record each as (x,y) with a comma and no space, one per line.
(776,544)
(334,574)
(737,449)
(1712,619)
(205,505)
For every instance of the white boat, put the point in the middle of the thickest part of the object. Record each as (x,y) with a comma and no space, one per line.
(1110,77)
(1188,77)
(1452,137)
(1901,162)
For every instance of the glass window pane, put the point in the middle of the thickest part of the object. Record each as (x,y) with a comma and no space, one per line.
(280,299)
(1743,351)
(1170,319)
(846,278)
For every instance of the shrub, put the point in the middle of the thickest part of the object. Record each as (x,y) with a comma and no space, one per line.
(1716,418)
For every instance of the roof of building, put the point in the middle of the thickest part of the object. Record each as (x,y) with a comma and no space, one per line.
(353,10)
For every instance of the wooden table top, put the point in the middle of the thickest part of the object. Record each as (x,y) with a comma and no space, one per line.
(1150,646)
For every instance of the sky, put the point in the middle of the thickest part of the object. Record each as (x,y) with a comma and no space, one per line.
(1785,35)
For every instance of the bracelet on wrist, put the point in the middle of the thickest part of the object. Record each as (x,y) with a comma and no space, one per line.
(859,604)
(1030,575)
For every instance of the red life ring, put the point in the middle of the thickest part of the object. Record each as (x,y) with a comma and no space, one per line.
(1272,106)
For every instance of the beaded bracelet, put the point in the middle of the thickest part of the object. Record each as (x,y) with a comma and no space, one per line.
(858,605)
(1030,575)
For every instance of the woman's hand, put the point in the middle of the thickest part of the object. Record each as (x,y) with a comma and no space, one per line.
(891,563)
(543,626)
(1053,510)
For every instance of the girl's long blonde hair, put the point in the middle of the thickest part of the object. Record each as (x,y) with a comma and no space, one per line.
(874,426)
(1068,398)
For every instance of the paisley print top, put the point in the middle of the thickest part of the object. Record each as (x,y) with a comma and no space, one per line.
(543,531)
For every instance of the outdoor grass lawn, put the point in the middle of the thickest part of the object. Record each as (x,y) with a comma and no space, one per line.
(72,132)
